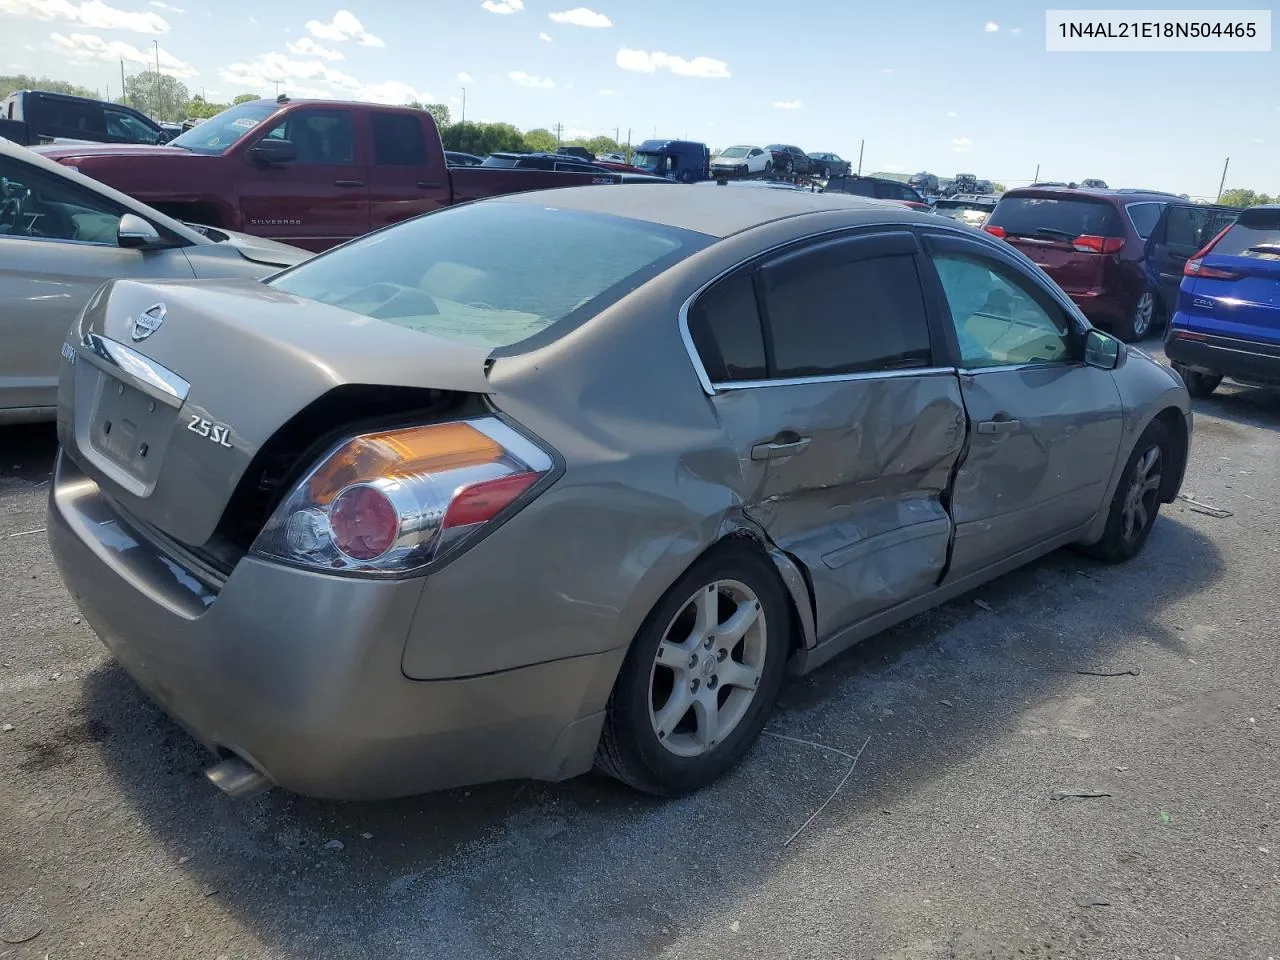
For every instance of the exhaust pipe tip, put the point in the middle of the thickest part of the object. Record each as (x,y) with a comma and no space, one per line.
(236,778)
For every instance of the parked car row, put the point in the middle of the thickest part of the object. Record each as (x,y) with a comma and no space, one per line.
(744,160)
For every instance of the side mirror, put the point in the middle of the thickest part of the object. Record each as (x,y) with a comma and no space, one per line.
(134,233)
(270,151)
(1102,350)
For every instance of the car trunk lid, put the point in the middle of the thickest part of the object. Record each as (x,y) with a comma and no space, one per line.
(1070,238)
(167,408)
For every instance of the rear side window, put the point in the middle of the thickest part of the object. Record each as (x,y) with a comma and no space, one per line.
(1144,216)
(851,317)
(1051,217)
(398,140)
(1255,234)
(69,117)
(725,326)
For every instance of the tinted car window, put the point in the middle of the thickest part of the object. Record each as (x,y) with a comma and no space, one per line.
(1255,234)
(40,207)
(725,326)
(997,320)
(128,127)
(1073,218)
(858,186)
(1144,216)
(69,117)
(1185,227)
(398,140)
(848,318)
(323,138)
(469,273)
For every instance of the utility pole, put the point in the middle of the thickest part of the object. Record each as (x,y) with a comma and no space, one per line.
(559,127)
(1223,182)
(1037,176)
(628,145)
(155,99)
(124,91)
(464,104)
(861,144)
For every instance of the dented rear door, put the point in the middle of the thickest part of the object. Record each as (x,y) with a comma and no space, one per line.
(846,425)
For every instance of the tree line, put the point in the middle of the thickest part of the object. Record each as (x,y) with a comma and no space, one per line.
(166,98)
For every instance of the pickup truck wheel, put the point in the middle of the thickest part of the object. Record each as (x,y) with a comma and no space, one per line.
(1199,385)
(1136,502)
(701,677)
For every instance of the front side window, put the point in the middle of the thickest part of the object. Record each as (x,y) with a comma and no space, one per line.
(398,140)
(322,138)
(42,207)
(470,274)
(855,316)
(998,321)
(128,127)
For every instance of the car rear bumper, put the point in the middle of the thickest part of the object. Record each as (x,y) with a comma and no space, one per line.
(1248,361)
(299,673)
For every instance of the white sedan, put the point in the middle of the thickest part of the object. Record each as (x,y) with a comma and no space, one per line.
(742,161)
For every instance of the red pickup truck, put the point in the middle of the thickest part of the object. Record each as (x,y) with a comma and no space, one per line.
(313,173)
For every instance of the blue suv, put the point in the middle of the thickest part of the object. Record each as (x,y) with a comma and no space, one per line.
(1228,319)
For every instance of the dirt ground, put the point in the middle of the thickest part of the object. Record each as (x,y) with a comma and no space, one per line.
(946,842)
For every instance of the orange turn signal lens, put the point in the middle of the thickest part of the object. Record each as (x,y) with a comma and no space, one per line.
(398,453)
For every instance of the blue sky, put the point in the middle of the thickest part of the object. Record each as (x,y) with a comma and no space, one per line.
(950,87)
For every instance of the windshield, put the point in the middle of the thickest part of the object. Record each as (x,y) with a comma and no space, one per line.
(733,152)
(217,134)
(1029,216)
(492,161)
(470,273)
(647,161)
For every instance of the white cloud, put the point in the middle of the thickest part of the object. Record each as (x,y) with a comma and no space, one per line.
(531,80)
(161,5)
(315,78)
(576,133)
(952,114)
(606,92)
(641,61)
(503,7)
(544,37)
(88,46)
(306,47)
(887,71)
(961,144)
(992,26)
(788,104)
(1016,30)
(1259,140)
(465,78)
(343,26)
(581,17)
(90,13)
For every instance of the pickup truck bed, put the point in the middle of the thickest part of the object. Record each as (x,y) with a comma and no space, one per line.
(310,173)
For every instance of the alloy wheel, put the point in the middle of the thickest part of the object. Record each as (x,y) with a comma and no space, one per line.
(1143,312)
(707,668)
(1140,499)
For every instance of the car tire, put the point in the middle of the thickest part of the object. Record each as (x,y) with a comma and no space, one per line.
(1136,502)
(1199,384)
(768,167)
(649,742)
(1142,318)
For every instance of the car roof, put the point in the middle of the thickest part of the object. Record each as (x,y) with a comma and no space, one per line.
(714,212)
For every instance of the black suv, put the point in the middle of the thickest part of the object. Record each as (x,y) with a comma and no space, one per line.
(880,188)
(789,159)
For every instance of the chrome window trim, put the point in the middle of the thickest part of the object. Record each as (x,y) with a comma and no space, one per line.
(100,244)
(1004,367)
(128,364)
(732,385)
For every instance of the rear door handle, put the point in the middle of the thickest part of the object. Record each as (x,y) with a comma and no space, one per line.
(429,184)
(998,426)
(348,183)
(779,447)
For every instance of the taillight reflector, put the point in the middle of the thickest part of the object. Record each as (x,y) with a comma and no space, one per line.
(1196,268)
(995,231)
(1088,243)
(481,502)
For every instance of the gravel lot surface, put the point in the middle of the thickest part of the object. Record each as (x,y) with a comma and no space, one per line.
(946,841)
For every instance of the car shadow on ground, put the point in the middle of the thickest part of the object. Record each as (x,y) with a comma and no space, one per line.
(1246,406)
(27,451)
(587,868)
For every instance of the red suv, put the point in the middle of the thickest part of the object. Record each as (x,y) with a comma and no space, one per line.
(1116,253)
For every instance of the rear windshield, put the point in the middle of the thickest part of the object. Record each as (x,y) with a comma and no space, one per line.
(1064,219)
(1255,234)
(217,134)
(471,274)
(492,161)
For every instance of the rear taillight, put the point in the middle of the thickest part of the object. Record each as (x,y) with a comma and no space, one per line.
(1088,243)
(393,502)
(1196,268)
(995,231)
